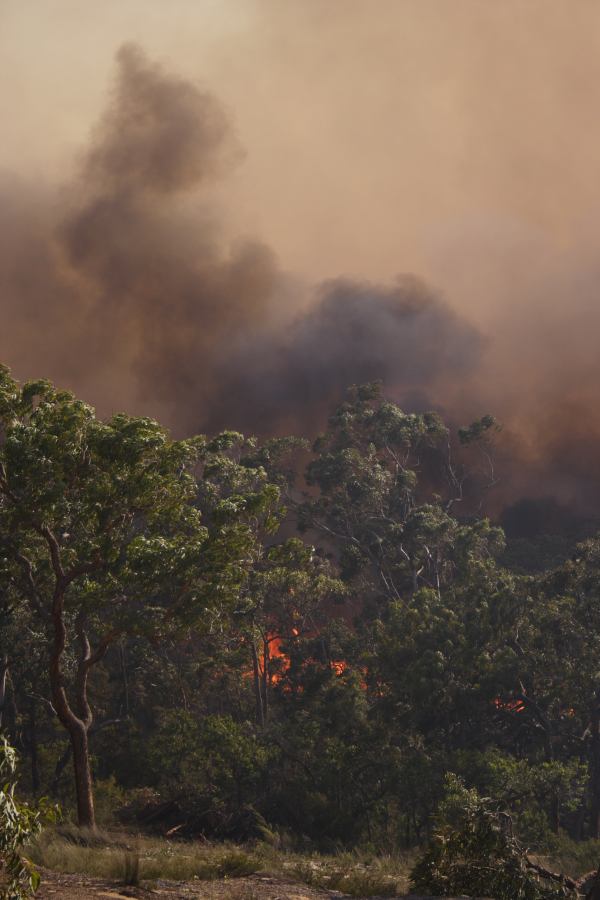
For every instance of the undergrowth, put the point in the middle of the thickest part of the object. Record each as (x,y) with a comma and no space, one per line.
(130,861)
(123,858)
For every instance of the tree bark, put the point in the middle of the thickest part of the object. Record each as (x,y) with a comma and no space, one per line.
(595,769)
(33,748)
(3,682)
(260,713)
(83,777)
(60,767)
(266,678)
(63,760)
(77,724)
(555,813)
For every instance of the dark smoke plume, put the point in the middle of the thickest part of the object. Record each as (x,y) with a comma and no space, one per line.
(134,299)
(123,287)
(162,296)
(352,333)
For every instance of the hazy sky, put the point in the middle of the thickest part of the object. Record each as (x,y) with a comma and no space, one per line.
(456,140)
(379,135)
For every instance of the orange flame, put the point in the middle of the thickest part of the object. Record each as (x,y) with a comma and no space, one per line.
(273,651)
(516,706)
(339,666)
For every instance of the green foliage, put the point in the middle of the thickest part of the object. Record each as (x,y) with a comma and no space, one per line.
(19,822)
(473,852)
(218,756)
(528,788)
(478,429)
(311,689)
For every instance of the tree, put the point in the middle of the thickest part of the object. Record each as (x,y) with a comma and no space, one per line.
(102,534)
(553,668)
(279,601)
(386,486)
(280,583)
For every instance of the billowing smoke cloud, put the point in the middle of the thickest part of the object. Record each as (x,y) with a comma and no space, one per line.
(353,333)
(127,293)
(124,286)
(161,296)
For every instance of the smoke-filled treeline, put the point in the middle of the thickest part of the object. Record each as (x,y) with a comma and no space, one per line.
(123,285)
(311,686)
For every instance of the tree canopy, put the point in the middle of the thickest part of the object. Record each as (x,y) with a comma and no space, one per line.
(239,637)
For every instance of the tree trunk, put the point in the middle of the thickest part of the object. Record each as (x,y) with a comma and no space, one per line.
(63,760)
(3,682)
(76,724)
(555,813)
(33,749)
(593,888)
(125,678)
(83,776)
(266,678)
(60,767)
(595,770)
(78,718)
(260,713)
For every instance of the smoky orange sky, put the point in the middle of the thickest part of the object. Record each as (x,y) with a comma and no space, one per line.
(302,155)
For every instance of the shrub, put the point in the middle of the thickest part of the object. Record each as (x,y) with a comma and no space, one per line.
(18,823)
(474,852)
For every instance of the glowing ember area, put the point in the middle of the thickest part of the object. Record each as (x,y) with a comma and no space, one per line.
(516,706)
(273,652)
(339,666)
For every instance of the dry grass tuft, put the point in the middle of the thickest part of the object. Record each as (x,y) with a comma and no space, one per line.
(355,881)
(133,860)
(130,861)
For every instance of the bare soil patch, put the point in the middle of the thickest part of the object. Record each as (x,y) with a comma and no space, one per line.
(56,886)
(256,887)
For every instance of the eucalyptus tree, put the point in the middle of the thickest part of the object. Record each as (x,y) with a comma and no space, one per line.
(283,582)
(551,667)
(384,485)
(102,535)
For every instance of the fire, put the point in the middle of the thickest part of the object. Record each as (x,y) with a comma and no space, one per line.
(516,706)
(272,651)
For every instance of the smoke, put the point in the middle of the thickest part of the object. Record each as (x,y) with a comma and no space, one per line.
(352,333)
(126,285)
(134,297)
(163,296)
(114,287)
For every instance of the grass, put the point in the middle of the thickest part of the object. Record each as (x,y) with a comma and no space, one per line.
(354,875)
(574,858)
(131,867)
(244,892)
(131,860)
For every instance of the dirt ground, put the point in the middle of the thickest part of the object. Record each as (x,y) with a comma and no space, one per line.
(255,887)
